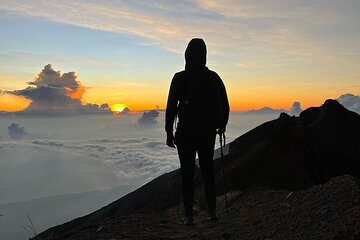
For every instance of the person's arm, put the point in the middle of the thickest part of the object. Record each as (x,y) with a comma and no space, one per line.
(224,102)
(171,111)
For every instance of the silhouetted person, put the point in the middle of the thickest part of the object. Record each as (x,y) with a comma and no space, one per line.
(198,98)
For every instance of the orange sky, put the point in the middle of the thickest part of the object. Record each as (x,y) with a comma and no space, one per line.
(147,97)
(12,103)
(126,52)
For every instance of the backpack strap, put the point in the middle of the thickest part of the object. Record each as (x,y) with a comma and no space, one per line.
(181,105)
(185,90)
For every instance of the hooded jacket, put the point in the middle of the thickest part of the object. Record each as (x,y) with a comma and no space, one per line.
(197,77)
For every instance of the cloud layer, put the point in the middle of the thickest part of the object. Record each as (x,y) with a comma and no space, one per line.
(47,167)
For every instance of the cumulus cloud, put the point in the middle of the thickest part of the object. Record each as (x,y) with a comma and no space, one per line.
(295,109)
(350,101)
(149,117)
(104,106)
(16,132)
(95,108)
(53,92)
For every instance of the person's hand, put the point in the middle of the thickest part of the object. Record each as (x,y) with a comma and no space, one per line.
(220,130)
(170,141)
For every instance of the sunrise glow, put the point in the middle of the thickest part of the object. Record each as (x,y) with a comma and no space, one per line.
(265,55)
(118,107)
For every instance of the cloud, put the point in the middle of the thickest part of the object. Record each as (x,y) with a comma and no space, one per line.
(105,106)
(16,132)
(126,111)
(54,93)
(266,110)
(264,9)
(95,108)
(149,117)
(33,168)
(295,109)
(4,113)
(132,158)
(137,19)
(350,101)
(77,161)
(31,171)
(170,24)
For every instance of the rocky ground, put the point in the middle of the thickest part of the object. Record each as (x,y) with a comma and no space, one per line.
(327,211)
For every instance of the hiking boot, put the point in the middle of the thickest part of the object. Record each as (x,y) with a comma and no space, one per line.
(188,221)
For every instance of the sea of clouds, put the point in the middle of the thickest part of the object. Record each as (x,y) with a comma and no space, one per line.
(57,168)
(53,163)
(79,154)
(62,155)
(36,168)
(44,156)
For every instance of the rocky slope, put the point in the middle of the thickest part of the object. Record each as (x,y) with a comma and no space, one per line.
(286,154)
(328,211)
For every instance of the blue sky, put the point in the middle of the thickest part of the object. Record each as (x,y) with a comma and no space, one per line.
(292,48)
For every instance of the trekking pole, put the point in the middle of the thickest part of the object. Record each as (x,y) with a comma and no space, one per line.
(223,167)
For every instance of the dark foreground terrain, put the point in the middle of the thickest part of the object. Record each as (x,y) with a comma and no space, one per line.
(328,211)
(290,178)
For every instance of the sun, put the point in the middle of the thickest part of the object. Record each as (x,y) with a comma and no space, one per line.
(118,107)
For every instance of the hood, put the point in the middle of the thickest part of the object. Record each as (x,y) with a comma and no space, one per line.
(195,54)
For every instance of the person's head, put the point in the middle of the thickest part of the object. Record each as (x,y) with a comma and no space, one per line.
(195,54)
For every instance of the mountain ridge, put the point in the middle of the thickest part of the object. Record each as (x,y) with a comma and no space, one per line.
(288,153)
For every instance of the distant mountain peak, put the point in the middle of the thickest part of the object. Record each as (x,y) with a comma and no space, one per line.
(332,105)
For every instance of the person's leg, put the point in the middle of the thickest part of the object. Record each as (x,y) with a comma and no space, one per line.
(205,148)
(187,153)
